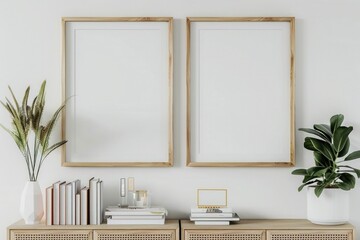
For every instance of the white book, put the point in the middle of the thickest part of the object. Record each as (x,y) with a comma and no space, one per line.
(93,200)
(108,213)
(62,203)
(214,215)
(84,197)
(205,210)
(139,217)
(68,204)
(134,221)
(56,204)
(99,202)
(113,210)
(77,209)
(212,223)
(75,185)
(235,217)
(49,205)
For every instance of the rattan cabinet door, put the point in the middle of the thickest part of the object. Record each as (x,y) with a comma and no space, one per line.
(50,235)
(224,235)
(134,235)
(310,235)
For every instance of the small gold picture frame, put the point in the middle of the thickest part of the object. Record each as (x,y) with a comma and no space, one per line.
(212,198)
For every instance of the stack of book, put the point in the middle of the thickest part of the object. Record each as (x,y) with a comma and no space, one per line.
(69,204)
(117,215)
(221,216)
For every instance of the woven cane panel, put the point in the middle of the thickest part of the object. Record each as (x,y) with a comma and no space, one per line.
(310,236)
(134,236)
(224,236)
(50,236)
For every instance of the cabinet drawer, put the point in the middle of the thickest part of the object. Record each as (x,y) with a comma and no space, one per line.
(224,235)
(50,235)
(310,235)
(134,235)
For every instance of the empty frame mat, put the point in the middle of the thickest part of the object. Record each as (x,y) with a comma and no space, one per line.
(240,83)
(118,87)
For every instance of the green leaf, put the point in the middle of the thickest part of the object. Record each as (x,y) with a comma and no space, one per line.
(355,170)
(340,136)
(348,180)
(308,178)
(15,101)
(325,129)
(53,147)
(336,121)
(346,148)
(317,133)
(317,171)
(323,147)
(25,101)
(319,189)
(352,156)
(308,144)
(299,172)
(305,184)
(321,160)
(16,138)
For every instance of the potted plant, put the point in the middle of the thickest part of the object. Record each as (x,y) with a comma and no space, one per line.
(331,178)
(32,137)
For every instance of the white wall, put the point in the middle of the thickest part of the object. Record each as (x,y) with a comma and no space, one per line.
(328,74)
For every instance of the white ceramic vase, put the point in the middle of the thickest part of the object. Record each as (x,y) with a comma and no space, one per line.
(331,208)
(31,205)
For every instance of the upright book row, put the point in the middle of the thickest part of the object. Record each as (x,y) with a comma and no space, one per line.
(69,204)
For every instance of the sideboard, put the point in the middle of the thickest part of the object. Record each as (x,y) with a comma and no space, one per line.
(281,229)
(168,231)
(271,229)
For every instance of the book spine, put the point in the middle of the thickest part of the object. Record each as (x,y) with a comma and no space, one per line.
(99,206)
(56,199)
(84,207)
(62,207)
(77,209)
(49,205)
(142,222)
(68,205)
(93,200)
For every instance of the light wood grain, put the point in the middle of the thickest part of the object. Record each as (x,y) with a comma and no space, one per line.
(138,234)
(291,161)
(170,161)
(313,234)
(268,224)
(20,225)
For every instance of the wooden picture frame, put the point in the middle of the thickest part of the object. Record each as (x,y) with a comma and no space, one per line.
(118,86)
(243,112)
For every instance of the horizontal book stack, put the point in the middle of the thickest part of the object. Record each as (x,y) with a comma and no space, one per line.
(69,204)
(221,216)
(117,215)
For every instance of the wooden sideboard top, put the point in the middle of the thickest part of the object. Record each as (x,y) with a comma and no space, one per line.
(20,225)
(273,224)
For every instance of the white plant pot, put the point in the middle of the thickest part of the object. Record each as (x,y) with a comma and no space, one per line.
(331,208)
(31,205)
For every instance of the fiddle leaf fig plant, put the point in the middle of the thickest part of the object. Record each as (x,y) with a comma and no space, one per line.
(330,145)
(27,124)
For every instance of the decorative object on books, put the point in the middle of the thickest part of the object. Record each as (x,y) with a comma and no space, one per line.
(27,123)
(211,198)
(331,178)
(142,198)
(231,61)
(127,60)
